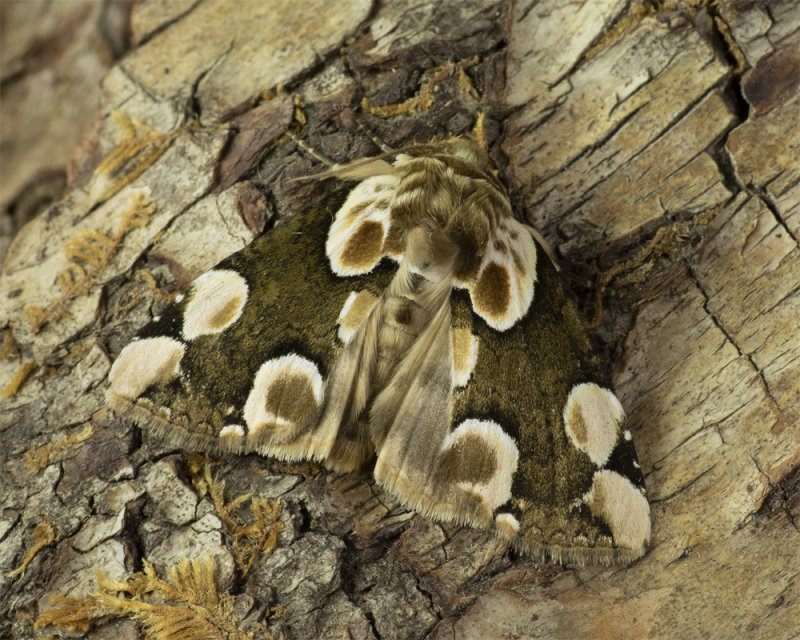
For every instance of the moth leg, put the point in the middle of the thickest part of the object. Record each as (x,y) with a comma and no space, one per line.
(385,148)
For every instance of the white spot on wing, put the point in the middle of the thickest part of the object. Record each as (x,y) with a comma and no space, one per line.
(346,307)
(592,418)
(497,489)
(217,300)
(257,414)
(615,500)
(461,372)
(363,205)
(515,240)
(232,431)
(355,309)
(143,363)
(507,526)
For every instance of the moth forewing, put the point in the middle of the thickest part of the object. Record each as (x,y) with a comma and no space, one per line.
(424,325)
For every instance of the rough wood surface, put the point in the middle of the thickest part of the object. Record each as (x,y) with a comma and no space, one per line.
(655,146)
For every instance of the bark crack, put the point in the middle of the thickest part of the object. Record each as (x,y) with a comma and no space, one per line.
(168,23)
(769,202)
(730,338)
(683,488)
(226,223)
(714,425)
(774,489)
(139,86)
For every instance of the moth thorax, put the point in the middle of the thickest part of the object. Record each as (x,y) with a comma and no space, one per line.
(401,322)
(429,253)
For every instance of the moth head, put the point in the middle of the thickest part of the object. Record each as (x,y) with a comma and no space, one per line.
(470,151)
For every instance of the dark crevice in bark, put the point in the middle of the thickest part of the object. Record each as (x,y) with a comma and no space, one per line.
(731,339)
(167,24)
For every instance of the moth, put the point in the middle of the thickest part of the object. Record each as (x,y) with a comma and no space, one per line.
(424,327)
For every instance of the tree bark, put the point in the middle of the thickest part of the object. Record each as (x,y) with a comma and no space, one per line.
(656,148)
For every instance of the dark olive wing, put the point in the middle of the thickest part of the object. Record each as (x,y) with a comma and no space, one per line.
(243,361)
